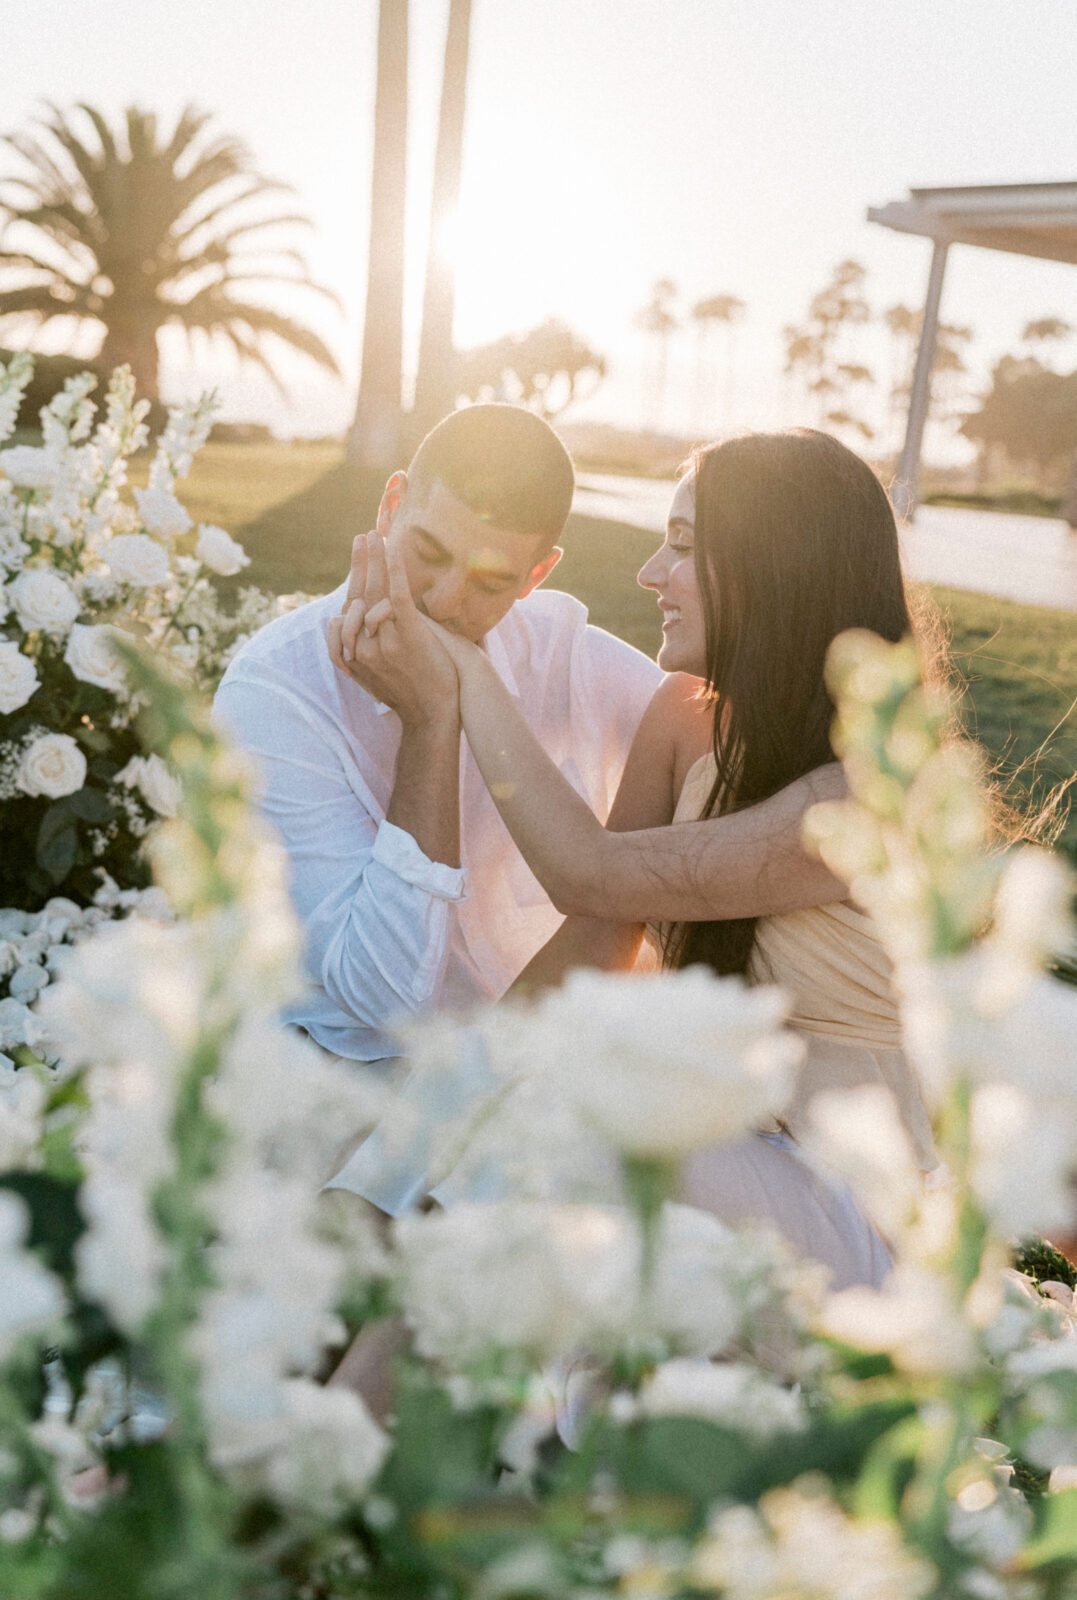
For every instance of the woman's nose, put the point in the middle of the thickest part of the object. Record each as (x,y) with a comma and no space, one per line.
(650,574)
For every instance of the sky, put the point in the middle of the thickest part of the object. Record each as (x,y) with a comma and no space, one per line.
(732,147)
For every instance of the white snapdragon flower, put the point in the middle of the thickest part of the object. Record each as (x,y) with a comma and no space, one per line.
(42,600)
(91,655)
(732,1394)
(51,765)
(18,677)
(161,512)
(22,1102)
(121,1255)
(19,1025)
(669,1065)
(331,1450)
(31,1299)
(219,551)
(13,381)
(158,786)
(29,467)
(136,559)
(913,1318)
(801,1545)
(13,552)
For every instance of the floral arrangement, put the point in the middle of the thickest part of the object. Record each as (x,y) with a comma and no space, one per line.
(83,563)
(605,1394)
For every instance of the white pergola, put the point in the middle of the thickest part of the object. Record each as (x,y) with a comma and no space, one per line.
(1024,219)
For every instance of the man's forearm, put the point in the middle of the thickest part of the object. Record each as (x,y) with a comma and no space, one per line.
(426,790)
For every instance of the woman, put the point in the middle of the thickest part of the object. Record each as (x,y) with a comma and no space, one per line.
(776,543)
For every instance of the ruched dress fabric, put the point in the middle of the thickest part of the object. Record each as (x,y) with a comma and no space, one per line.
(830,963)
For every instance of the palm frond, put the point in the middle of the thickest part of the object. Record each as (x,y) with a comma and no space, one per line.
(58,184)
(212,309)
(87,164)
(283,219)
(104,133)
(63,223)
(42,300)
(189,125)
(141,133)
(254,187)
(276,278)
(32,263)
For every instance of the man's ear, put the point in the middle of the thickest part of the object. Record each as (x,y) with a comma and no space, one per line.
(542,570)
(393,493)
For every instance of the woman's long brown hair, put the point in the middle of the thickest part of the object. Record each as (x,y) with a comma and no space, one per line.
(795,541)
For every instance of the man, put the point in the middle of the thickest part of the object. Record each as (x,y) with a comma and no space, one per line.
(411,893)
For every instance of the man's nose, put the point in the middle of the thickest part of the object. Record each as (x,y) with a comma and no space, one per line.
(444,600)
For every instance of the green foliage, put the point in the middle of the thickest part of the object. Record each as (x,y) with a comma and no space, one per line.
(1029,414)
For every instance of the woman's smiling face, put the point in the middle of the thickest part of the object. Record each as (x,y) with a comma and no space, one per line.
(671,573)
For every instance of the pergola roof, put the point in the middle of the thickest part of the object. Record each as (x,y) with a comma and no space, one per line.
(1025,219)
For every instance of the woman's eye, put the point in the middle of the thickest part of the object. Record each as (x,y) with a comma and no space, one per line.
(681,549)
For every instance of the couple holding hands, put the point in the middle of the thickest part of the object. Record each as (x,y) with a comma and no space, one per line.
(596,800)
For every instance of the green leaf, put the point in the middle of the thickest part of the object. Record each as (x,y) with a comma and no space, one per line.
(1056,1538)
(56,818)
(91,805)
(56,855)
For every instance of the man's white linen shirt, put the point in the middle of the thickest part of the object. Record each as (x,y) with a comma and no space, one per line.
(390,933)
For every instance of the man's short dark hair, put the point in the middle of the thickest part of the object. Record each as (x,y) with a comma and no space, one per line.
(503,462)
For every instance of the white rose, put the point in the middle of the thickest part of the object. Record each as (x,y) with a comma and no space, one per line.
(161,512)
(219,551)
(27,467)
(137,559)
(159,787)
(18,677)
(53,766)
(92,657)
(333,1447)
(43,600)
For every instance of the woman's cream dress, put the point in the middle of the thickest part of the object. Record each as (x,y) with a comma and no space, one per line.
(829,961)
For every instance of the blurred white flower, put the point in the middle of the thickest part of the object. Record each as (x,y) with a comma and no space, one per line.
(858,1133)
(664,1066)
(31,1299)
(22,1102)
(732,1394)
(28,466)
(92,657)
(990,1519)
(161,512)
(331,1451)
(18,677)
(217,550)
(51,765)
(121,1255)
(800,1545)
(913,1318)
(1033,916)
(42,599)
(136,559)
(155,782)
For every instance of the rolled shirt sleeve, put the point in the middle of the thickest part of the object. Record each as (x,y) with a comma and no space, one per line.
(376,911)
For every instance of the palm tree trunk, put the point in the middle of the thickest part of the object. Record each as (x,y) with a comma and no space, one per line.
(374,439)
(128,345)
(435,382)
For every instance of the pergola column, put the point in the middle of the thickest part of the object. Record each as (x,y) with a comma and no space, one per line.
(904,491)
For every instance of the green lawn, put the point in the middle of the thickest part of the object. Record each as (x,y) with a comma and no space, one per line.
(296,507)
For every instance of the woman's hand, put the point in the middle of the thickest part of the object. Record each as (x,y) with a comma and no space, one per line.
(383,641)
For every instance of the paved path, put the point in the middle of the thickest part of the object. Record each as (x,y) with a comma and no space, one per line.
(1031,559)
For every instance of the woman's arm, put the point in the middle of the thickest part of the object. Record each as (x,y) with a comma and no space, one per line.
(752,863)
(673,731)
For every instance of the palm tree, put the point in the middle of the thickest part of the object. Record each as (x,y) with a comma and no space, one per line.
(725,309)
(374,439)
(435,380)
(659,320)
(138,231)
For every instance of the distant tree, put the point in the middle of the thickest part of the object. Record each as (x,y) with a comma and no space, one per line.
(659,320)
(375,435)
(904,327)
(436,377)
(1029,417)
(1046,330)
(813,351)
(136,231)
(719,310)
(545,369)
